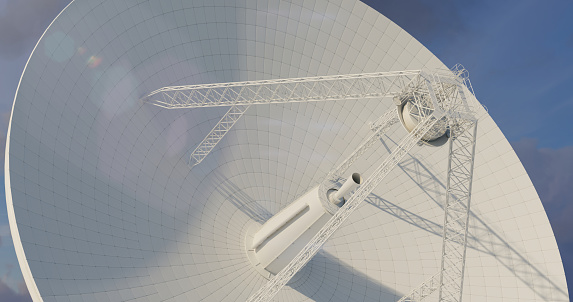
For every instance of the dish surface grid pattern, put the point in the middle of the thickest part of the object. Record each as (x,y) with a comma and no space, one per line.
(104,208)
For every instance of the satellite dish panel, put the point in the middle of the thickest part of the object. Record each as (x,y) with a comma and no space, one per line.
(103,205)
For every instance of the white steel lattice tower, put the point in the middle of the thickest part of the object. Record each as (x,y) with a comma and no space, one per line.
(114,199)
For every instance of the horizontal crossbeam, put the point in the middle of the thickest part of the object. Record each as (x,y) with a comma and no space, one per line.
(434,95)
(325,88)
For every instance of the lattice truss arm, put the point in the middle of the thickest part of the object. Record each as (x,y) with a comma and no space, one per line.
(339,87)
(449,280)
(435,96)
(242,94)
(218,132)
(457,208)
(440,98)
(273,286)
(379,127)
(423,290)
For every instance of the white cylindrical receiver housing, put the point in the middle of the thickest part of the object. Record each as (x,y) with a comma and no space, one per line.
(411,119)
(350,184)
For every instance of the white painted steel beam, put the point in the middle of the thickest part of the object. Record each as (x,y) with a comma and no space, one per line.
(423,290)
(379,127)
(435,96)
(240,95)
(449,280)
(463,133)
(273,286)
(338,87)
(443,97)
(216,134)
(457,208)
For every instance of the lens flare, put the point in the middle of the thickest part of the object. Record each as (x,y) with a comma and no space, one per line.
(94,62)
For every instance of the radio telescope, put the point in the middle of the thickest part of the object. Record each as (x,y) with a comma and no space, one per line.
(257,150)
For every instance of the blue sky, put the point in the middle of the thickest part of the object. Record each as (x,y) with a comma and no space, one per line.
(520,58)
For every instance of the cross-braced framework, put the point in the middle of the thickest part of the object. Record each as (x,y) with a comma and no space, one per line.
(435,100)
(338,87)
(274,285)
(457,208)
(379,127)
(217,134)
(463,126)
(425,289)
(240,95)
(449,280)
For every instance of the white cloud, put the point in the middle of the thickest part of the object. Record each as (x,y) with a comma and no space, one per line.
(551,171)
(8,294)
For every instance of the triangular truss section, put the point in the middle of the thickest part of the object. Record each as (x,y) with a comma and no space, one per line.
(437,99)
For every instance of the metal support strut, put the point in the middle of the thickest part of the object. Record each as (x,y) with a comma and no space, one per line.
(435,99)
(217,134)
(457,208)
(241,95)
(274,285)
(423,290)
(380,127)
(450,279)
(326,88)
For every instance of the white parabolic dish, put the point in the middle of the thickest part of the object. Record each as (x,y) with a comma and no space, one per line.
(102,206)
